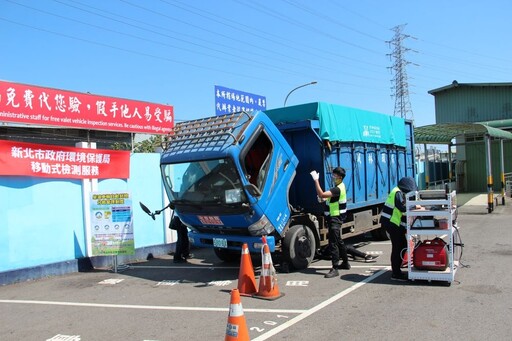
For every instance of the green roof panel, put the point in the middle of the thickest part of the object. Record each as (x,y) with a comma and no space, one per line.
(444,133)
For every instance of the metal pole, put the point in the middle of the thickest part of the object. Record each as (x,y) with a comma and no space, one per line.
(300,86)
(426,166)
(88,186)
(116,267)
(490,194)
(450,171)
(434,170)
(502,175)
(114,258)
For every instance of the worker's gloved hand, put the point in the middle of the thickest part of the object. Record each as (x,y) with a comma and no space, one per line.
(320,200)
(315,175)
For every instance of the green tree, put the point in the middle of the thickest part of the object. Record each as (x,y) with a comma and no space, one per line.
(146,146)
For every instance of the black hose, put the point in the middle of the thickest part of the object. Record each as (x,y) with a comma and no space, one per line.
(457,243)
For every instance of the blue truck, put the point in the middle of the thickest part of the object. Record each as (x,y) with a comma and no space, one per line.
(235,178)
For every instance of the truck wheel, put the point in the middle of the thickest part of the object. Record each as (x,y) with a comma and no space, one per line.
(228,256)
(380,234)
(299,246)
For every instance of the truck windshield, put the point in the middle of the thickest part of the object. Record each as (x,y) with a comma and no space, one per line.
(203,182)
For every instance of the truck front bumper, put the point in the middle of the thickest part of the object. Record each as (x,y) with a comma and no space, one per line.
(204,240)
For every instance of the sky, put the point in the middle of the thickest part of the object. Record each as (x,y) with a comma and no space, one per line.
(176,51)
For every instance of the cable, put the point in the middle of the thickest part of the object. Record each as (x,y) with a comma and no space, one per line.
(266,36)
(457,242)
(240,60)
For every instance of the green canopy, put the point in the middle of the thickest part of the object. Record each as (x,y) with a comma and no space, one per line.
(443,133)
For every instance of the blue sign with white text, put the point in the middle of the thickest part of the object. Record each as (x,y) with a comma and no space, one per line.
(228,101)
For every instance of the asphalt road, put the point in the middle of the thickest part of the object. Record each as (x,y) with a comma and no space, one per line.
(158,300)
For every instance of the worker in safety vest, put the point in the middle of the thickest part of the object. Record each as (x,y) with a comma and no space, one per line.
(336,199)
(393,219)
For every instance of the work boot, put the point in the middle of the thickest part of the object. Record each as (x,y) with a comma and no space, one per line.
(370,258)
(332,273)
(179,260)
(345,265)
(402,277)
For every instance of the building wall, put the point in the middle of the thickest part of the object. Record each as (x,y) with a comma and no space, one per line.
(476,165)
(473,104)
(42,220)
(470,103)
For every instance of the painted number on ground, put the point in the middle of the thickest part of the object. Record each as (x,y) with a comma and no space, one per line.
(268,323)
(111,281)
(297,283)
(60,337)
(219,283)
(168,282)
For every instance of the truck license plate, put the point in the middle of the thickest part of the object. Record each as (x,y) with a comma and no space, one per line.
(220,242)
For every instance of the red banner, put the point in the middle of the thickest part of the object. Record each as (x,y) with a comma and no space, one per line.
(30,104)
(47,161)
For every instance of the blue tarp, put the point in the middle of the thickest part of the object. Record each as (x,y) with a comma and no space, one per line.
(345,124)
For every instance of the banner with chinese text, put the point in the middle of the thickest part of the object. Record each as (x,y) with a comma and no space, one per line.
(111,224)
(228,101)
(48,161)
(30,104)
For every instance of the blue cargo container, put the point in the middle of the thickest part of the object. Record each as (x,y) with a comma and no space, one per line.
(376,150)
(236,178)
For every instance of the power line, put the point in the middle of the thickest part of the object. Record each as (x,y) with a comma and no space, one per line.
(242,60)
(298,46)
(270,11)
(325,17)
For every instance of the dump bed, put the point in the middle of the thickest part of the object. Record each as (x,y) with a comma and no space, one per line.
(375,149)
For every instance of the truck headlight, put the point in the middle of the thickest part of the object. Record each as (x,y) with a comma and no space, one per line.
(261,227)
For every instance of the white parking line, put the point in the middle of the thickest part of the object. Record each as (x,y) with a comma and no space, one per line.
(303,313)
(150,307)
(384,242)
(202,267)
(316,308)
(191,266)
(352,266)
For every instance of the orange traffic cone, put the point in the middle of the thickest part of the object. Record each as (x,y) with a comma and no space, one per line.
(246,280)
(236,329)
(268,290)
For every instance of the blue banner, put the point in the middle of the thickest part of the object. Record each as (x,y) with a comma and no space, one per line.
(229,101)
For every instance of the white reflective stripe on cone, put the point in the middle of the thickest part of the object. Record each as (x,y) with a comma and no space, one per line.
(236,310)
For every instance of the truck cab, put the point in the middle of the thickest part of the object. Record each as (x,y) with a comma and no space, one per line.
(228,178)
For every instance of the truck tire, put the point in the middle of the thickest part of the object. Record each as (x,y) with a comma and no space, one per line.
(299,246)
(228,256)
(380,234)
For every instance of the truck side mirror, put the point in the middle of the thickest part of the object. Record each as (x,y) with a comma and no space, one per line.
(147,210)
(253,190)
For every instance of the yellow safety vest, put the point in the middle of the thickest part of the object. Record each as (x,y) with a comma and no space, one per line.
(338,207)
(390,212)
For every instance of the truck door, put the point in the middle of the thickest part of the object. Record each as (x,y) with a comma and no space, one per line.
(269,164)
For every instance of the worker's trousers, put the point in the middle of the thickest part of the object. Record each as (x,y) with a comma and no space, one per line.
(398,247)
(336,244)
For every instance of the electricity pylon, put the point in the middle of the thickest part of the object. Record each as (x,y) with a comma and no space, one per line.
(400,87)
